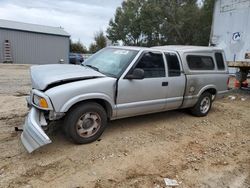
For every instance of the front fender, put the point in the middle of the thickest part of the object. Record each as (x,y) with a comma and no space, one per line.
(84,97)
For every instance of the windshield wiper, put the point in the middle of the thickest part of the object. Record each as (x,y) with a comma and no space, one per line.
(93,67)
(96,69)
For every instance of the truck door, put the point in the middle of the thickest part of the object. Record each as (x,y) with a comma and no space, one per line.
(140,96)
(176,81)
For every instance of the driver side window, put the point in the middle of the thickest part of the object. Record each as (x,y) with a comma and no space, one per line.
(152,64)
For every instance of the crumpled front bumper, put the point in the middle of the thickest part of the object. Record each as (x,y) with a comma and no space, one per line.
(33,136)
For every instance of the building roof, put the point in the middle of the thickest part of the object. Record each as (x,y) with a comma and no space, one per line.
(34,28)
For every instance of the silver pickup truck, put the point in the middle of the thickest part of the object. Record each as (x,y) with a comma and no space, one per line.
(119,82)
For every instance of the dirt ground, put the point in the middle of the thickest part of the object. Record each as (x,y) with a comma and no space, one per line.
(212,151)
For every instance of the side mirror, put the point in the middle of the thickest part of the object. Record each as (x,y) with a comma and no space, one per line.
(136,74)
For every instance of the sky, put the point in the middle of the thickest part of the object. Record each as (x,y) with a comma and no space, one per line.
(80,18)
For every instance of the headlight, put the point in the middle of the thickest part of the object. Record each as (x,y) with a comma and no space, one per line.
(40,101)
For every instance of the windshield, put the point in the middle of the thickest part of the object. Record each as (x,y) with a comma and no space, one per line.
(111,61)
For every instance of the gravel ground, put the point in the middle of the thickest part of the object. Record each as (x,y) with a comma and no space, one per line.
(212,151)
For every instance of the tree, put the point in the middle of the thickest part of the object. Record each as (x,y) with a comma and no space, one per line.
(152,15)
(77,47)
(100,40)
(126,24)
(92,48)
(205,22)
(154,22)
(99,43)
(182,20)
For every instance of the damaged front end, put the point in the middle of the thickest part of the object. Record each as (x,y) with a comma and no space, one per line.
(38,120)
(42,117)
(33,136)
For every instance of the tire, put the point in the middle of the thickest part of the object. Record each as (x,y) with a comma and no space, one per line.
(203,105)
(85,123)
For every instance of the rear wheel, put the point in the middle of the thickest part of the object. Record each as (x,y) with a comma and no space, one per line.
(85,123)
(203,105)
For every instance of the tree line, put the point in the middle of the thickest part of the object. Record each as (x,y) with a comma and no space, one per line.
(100,41)
(161,22)
(158,22)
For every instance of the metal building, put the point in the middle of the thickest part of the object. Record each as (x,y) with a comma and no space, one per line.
(23,43)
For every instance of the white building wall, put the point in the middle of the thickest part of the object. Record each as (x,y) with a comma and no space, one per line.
(231,28)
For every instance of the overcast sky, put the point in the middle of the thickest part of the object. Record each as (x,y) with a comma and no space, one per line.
(80,18)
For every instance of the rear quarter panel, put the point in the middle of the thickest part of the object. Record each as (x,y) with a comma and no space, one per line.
(199,81)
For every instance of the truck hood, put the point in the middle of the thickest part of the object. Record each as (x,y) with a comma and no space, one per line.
(44,76)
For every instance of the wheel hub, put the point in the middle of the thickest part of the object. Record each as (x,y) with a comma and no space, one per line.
(88,124)
(205,105)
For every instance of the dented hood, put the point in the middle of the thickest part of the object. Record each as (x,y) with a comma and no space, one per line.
(43,76)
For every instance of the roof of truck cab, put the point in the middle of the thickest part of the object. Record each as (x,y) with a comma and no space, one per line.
(179,48)
(186,48)
(138,48)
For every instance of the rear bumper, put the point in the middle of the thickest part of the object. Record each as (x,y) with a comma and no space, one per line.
(33,136)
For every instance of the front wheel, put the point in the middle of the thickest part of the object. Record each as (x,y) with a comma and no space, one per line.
(85,123)
(203,105)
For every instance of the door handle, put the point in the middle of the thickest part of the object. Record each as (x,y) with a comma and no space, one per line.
(164,84)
